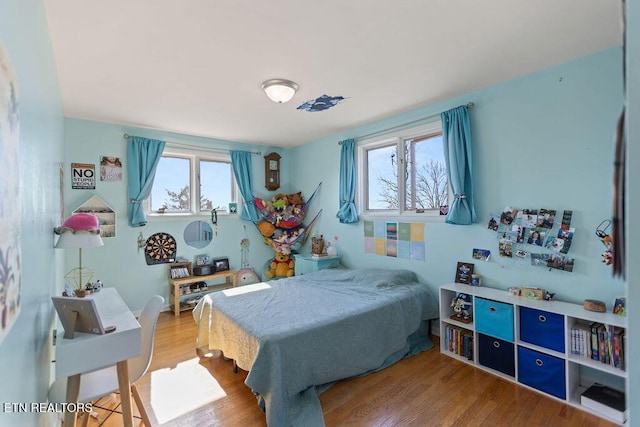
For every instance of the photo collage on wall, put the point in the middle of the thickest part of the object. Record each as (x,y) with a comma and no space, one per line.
(395,239)
(538,232)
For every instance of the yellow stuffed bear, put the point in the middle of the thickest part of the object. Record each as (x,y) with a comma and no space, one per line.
(281,266)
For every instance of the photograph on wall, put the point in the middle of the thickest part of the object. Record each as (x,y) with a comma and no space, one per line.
(10,254)
(392,248)
(508,215)
(83,176)
(110,169)
(519,230)
(539,260)
(505,248)
(567,237)
(535,236)
(481,254)
(546,218)
(464,270)
(510,235)
(392,230)
(528,218)
(566,220)
(494,222)
(560,262)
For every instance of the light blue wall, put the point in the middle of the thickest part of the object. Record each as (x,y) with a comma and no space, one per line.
(541,141)
(119,263)
(563,127)
(25,353)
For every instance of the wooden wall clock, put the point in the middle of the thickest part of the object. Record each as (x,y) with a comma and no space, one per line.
(272,171)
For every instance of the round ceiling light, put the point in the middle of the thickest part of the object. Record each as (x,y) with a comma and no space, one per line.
(279,90)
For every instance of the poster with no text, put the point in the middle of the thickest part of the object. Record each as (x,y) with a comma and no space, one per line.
(83,176)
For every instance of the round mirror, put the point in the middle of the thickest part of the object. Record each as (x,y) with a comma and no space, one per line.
(198,234)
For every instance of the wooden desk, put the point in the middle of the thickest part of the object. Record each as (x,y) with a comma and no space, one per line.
(89,352)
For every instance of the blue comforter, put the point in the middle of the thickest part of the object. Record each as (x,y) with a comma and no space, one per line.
(304,333)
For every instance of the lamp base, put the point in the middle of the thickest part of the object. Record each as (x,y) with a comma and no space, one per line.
(78,278)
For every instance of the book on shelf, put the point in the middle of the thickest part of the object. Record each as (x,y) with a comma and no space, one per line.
(605,400)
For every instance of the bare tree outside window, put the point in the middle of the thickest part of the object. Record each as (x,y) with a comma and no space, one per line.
(425,179)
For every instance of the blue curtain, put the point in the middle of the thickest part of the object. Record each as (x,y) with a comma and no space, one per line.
(143,155)
(456,138)
(241,163)
(348,213)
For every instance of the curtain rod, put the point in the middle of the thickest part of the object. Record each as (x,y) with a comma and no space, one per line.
(469,106)
(198,147)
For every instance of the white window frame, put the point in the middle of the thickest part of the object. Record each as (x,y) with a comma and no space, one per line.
(194,157)
(395,138)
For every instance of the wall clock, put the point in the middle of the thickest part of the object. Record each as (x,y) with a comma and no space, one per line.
(272,171)
(160,248)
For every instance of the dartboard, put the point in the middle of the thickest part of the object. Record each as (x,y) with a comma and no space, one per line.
(160,248)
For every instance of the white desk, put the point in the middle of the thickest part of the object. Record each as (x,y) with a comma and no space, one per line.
(89,352)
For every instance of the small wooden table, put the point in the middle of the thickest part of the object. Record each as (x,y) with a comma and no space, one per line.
(90,352)
(175,284)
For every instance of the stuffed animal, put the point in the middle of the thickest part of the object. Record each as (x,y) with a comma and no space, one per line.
(246,276)
(266,228)
(280,201)
(295,198)
(281,266)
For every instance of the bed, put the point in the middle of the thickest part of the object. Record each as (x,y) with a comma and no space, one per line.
(297,336)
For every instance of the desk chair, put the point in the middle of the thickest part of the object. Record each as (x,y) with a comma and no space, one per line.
(97,384)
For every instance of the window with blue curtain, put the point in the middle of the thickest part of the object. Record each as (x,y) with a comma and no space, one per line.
(347,213)
(241,163)
(456,139)
(143,155)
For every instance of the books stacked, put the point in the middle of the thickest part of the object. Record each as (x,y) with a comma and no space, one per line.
(601,342)
(605,400)
(459,341)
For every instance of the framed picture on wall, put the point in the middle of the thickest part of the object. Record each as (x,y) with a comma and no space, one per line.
(464,270)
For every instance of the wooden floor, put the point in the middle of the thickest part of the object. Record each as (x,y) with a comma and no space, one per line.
(181,389)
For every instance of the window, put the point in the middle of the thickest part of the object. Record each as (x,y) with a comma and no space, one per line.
(404,173)
(188,182)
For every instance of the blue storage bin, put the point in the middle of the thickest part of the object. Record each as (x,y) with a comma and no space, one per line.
(497,354)
(494,318)
(541,371)
(542,328)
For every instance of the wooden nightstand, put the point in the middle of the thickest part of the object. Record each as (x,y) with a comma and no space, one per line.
(306,263)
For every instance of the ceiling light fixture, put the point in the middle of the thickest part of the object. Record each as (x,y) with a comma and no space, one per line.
(279,90)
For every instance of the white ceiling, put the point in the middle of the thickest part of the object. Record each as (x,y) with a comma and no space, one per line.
(195,66)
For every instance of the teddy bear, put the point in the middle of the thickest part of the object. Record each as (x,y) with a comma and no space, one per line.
(281,266)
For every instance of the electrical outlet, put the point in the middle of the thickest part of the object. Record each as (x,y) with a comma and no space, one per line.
(55,335)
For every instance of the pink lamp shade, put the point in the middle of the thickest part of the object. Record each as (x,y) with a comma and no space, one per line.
(80,230)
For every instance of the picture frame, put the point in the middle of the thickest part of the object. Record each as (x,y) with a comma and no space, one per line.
(203,260)
(620,306)
(464,270)
(233,208)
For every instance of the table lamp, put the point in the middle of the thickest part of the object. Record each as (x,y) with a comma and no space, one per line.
(80,230)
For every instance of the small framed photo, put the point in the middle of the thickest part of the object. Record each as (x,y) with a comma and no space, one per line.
(620,306)
(203,259)
(233,208)
(464,270)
